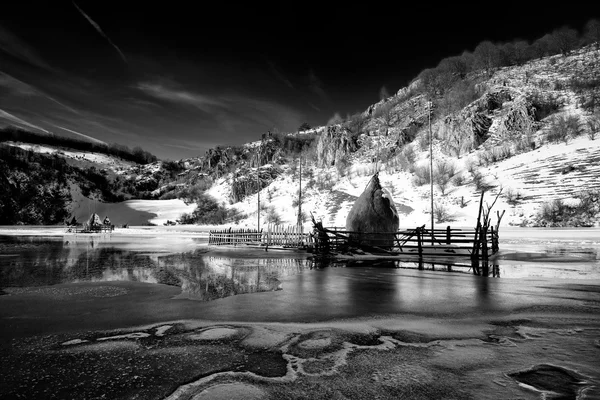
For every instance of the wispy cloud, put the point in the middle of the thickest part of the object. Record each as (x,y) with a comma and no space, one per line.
(316,86)
(262,112)
(13,45)
(233,114)
(20,88)
(279,75)
(176,95)
(14,119)
(81,134)
(101,32)
(313,106)
(186,146)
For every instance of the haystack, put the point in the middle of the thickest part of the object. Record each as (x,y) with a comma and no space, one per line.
(94,220)
(106,221)
(373,216)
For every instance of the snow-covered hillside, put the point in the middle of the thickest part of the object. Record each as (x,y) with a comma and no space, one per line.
(528,178)
(501,139)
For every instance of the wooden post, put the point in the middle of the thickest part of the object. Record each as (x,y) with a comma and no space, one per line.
(484,244)
(448,235)
(475,252)
(420,241)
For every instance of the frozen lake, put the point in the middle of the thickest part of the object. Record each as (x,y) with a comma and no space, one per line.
(540,266)
(530,328)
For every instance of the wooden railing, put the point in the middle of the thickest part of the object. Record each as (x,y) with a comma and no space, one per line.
(278,235)
(235,237)
(419,241)
(86,228)
(274,235)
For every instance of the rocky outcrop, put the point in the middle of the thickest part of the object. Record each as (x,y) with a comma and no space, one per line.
(373,212)
(246,182)
(334,144)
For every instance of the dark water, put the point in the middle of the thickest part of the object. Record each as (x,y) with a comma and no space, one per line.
(301,287)
(43,261)
(201,274)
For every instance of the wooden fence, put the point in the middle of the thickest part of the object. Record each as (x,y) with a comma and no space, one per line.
(274,235)
(420,241)
(290,236)
(86,228)
(231,237)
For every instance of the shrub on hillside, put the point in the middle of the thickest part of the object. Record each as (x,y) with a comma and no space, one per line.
(564,128)
(458,180)
(341,165)
(513,197)
(422,175)
(580,85)
(207,212)
(442,214)
(494,154)
(593,124)
(480,181)
(558,213)
(408,133)
(462,93)
(590,102)
(324,183)
(272,216)
(190,194)
(443,173)
(544,106)
(524,143)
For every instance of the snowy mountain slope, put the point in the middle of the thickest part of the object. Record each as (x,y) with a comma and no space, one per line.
(528,177)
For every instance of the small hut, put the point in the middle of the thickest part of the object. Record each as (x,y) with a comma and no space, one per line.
(373,219)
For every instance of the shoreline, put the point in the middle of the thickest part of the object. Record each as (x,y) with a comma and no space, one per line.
(505,232)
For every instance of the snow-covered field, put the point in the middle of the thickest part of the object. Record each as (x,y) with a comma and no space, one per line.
(103,160)
(552,171)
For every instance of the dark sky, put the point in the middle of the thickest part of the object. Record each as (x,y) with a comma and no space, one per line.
(177,78)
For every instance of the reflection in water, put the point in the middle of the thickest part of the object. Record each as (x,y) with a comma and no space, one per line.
(29,262)
(481,268)
(38,261)
(206,277)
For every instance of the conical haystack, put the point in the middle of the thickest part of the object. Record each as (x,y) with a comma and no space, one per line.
(94,220)
(373,216)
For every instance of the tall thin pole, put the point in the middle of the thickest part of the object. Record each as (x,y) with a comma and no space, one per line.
(258,182)
(431,168)
(300,194)
(299,222)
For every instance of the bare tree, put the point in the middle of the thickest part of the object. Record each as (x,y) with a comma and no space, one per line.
(456,65)
(487,56)
(383,114)
(565,39)
(355,124)
(592,32)
(542,46)
(304,127)
(521,50)
(383,93)
(335,120)
(436,81)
